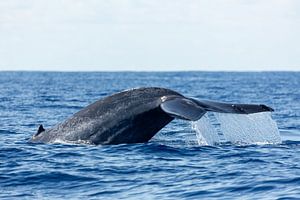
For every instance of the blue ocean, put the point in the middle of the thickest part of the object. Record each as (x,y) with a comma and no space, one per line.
(173,165)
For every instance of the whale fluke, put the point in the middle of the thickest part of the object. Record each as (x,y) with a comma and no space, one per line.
(134,116)
(232,108)
(182,108)
(193,110)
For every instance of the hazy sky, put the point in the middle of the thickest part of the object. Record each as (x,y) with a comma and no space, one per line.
(149,35)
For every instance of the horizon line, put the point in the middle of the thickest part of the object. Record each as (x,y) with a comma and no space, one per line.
(145,71)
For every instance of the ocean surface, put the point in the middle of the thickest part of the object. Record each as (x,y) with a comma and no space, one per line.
(173,165)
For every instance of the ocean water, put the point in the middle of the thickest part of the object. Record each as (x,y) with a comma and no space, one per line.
(172,165)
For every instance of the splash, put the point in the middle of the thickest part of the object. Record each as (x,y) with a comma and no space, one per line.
(216,128)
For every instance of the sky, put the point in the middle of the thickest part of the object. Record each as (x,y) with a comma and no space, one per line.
(156,35)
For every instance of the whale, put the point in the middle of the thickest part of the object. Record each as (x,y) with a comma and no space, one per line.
(134,116)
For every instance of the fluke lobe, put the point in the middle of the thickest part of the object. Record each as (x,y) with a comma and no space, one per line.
(134,116)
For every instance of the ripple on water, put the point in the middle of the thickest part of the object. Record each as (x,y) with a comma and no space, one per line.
(171,166)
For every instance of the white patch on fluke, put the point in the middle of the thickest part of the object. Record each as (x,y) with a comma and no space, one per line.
(215,128)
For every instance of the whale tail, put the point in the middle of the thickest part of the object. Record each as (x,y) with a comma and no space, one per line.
(193,110)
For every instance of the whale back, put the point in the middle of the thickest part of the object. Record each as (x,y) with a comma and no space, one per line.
(126,99)
(131,116)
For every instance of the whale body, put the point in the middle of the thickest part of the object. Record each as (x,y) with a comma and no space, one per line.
(134,116)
